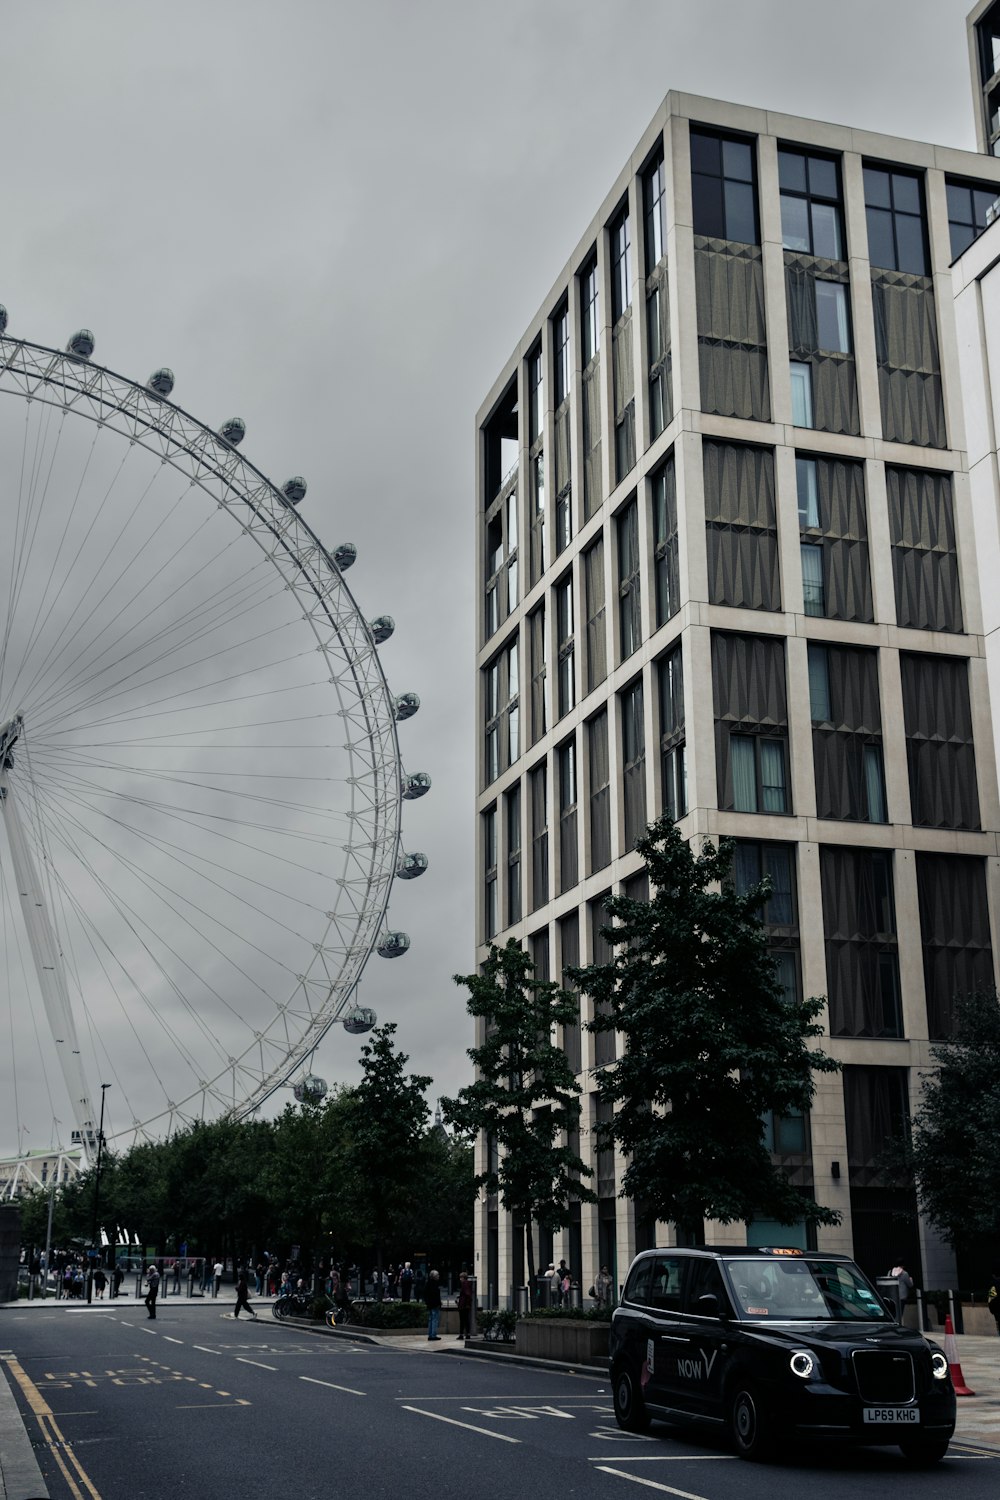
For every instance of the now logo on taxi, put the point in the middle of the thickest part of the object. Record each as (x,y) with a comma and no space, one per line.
(697,1369)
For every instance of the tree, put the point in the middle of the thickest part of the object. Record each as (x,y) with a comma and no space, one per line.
(386,1121)
(711,1043)
(525,1097)
(953,1152)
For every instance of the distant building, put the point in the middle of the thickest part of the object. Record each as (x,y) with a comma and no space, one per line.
(37,1169)
(727,568)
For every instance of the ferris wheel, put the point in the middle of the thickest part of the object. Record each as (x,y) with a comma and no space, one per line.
(200,775)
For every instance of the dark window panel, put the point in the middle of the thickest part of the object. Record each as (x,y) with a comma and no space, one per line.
(861,949)
(940,752)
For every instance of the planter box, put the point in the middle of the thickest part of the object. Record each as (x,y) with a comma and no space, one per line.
(566,1340)
(977,1319)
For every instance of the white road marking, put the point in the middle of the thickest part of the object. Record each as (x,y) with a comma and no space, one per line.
(650,1484)
(241,1361)
(503,1437)
(172,1341)
(330,1386)
(204,1350)
(663,1458)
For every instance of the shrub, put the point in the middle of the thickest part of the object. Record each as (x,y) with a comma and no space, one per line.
(506,1324)
(590,1314)
(388,1314)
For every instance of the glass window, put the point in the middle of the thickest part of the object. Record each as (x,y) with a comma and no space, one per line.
(832,329)
(621,267)
(811,205)
(673,760)
(560,355)
(802,404)
(629,603)
(536,395)
(772,775)
(723,187)
(805,480)
(565,626)
(665,543)
(813,596)
(513,802)
(654,200)
(590,311)
(897,239)
(819,685)
(490,863)
(968,205)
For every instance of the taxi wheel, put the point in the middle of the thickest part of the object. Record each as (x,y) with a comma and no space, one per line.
(749,1425)
(920,1453)
(630,1408)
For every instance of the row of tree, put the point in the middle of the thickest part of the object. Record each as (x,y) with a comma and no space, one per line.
(359,1177)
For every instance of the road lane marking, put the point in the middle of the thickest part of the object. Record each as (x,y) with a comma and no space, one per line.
(241,1361)
(663,1458)
(172,1341)
(502,1437)
(330,1386)
(56,1444)
(650,1484)
(212,1405)
(204,1350)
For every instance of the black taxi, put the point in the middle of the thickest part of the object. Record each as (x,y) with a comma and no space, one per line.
(774,1344)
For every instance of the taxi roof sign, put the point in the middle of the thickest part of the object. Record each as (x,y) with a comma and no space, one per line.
(780,1250)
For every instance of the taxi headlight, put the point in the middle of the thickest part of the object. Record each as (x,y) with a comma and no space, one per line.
(939,1365)
(803,1364)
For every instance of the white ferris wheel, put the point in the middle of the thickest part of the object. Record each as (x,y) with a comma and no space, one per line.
(200,776)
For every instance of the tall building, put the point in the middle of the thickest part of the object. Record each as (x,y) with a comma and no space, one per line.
(727,569)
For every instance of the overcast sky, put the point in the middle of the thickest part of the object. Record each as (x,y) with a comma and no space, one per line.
(335,221)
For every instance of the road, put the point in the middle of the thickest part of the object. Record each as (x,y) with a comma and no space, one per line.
(199,1406)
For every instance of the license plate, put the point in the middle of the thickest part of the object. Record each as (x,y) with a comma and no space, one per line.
(891,1414)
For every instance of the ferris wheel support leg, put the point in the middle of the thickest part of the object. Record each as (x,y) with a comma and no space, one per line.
(50,968)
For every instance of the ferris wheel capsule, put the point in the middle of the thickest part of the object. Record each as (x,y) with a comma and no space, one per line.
(345,556)
(411,865)
(406,705)
(294,489)
(393,944)
(161,382)
(359,1020)
(417,784)
(81,344)
(381,628)
(311,1088)
(234,431)
(3,318)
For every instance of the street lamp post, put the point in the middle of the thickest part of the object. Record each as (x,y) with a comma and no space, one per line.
(97,1195)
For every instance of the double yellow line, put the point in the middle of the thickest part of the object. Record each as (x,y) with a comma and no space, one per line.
(57,1445)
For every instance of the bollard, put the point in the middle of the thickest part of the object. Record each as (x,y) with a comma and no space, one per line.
(951,1308)
(472,1308)
(575,1297)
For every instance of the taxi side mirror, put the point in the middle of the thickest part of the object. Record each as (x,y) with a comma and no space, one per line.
(708,1306)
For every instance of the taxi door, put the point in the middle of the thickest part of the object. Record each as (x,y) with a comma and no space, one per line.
(709,1339)
(668,1341)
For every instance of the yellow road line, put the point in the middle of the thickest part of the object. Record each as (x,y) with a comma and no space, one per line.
(56,1442)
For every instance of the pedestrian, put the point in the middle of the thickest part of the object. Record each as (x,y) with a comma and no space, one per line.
(419,1285)
(217,1273)
(153,1285)
(258,1276)
(464,1303)
(904,1282)
(243,1296)
(117,1277)
(432,1297)
(565,1282)
(406,1282)
(555,1285)
(100,1282)
(993,1296)
(177,1276)
(601,1290)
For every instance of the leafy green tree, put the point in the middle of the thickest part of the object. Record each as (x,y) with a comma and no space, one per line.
(711,1044)
(385,1125)
(525,1097)
(953,1152)
(441,1221)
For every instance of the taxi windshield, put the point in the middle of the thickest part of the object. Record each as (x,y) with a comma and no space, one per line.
(797,1288)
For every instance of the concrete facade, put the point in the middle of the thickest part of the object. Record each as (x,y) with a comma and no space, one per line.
(512,592)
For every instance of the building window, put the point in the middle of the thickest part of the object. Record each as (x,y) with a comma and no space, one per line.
(940,753)
(538,788)
(673,752)
(924,551)
(629,588)
(665,544)
(536,647)
(501,705)
(512,804)
(568,864)
(569,951)
(590,320)
(601,952)
(657,299)
(968,205)
(753,862)
(536,457)
(621,345)
(599,767)
(500,458)
(802,399)
(597,642)
(491,904)
(894,207)
(751,723)
(833,535)
(724,199)
(847,734)
(955,934)
(567,659)
(561,428)
(741,521)
(634,763)
(862,965)
(812,218)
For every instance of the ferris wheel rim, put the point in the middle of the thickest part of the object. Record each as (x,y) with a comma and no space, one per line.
(138,414)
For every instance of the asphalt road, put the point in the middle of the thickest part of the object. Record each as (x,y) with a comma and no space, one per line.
(200,1406)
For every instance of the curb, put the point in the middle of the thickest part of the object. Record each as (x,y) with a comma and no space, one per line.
(20,1476)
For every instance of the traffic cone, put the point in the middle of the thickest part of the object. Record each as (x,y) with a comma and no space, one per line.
(951,1355)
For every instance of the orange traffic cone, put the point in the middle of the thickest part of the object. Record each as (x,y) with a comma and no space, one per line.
(951,1355)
